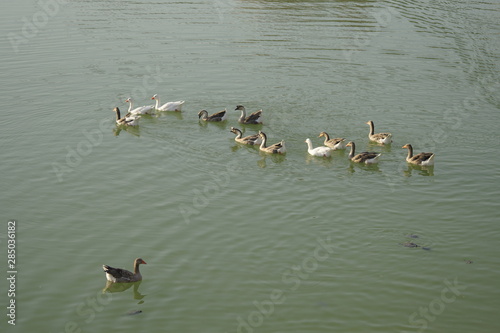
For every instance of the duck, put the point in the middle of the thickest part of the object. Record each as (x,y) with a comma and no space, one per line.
(365,157)
(383,138)
(254,118)
(318,151)
(419,159)
(170,106)
(337,143)
(139,110)
(120,275)
(218,116)
(254,139)
(128,120)
(277,148)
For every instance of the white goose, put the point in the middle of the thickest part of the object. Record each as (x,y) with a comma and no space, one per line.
(139,110)
(318,151)
(170,106)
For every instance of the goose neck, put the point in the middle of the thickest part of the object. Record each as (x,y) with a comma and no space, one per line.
(353,150)
(410,151)
(372,127)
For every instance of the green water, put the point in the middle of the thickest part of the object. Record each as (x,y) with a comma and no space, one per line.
(237,241)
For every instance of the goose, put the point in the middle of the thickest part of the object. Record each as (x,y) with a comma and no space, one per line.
(254,139)
(218,116)
(384,138)
(337,143)
(122,275)
(139,110)
(170,106)
(318,151)
(420,159)
(277,148)
(128,120)
(254,118)
(365,157)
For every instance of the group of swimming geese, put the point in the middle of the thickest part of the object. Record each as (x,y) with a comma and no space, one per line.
(134,114)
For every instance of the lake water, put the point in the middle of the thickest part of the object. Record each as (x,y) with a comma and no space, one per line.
(234,240)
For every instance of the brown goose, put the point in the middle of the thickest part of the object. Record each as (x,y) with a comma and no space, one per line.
(277,148)
(254,139)
(384,138)
(365,157)
(420,159)
(128,120)
(218,116)
(337,143)
(122,275)
(254,118)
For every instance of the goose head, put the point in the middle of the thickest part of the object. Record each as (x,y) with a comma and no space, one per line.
(202,113)
(155,96)
(139,261)
(239,108)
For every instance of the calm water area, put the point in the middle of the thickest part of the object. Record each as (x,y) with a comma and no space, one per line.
(236,240)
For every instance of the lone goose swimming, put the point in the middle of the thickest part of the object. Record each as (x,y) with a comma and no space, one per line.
(128,120)
(170,106)
(218,116)
(254,139)
(336,143)
(365,157)
(277,148)
(139,110)
(383,138)
(254,118)
(120,275)
(419,159)
(318,151)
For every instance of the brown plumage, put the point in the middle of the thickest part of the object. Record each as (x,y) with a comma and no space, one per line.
(122,275)
(384,138)
(419,159)
(218,116)
(128,120)
(365,157)
(277,148)
(336,143)
(254,118)
(254,139)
